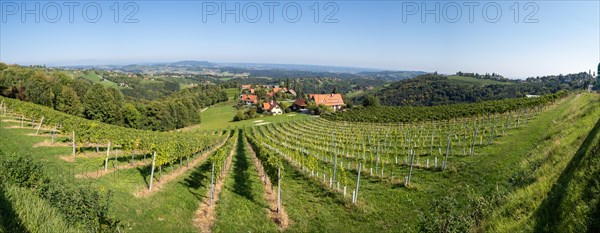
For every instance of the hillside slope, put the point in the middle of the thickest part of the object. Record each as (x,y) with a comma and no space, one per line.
(555,188)
(434,89)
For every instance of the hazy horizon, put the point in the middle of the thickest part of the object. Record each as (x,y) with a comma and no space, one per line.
(542,38)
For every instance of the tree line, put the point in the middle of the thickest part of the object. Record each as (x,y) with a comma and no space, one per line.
(434,89)
(94,101)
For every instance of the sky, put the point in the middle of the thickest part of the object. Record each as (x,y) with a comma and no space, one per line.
(517,39)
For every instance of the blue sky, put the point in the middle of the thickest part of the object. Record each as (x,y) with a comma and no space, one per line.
(376,34)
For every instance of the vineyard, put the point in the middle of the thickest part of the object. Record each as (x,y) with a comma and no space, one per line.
(335,153)
(386,114)
(295,175)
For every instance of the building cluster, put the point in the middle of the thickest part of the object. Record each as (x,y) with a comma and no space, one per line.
(301,103)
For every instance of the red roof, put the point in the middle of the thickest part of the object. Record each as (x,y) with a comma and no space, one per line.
(327,99)
(251,98)
(300,103)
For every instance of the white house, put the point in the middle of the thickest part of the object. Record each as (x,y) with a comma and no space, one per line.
(272,107)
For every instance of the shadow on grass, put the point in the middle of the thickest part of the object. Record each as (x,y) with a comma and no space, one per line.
(9,219)
(548,215)
(316,188)
(145,173)
(242,185)
(199,178)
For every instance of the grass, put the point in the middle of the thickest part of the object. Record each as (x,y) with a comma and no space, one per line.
(241,206)
(550,140)
(220,116)
(32,213)
(95,78)
(532,206)
(476,81)
(170,210)
(233,93)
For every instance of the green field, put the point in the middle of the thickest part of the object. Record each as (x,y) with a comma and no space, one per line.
(220,116)
(95,78)
(505,184)
(233,93)
(475,81)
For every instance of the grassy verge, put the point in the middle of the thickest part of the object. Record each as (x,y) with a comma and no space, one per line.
(540,180)
(23,211)
(241,207)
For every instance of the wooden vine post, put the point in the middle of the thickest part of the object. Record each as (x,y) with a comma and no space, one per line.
(411,167)
(447,151)
(474,140)
(355,195)
(278,190)
(74,143)
(212,184)
(39,126)
(107,155)
(152,171)
(334,158)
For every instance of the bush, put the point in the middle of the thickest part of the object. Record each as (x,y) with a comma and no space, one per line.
(81,205)
(239,116)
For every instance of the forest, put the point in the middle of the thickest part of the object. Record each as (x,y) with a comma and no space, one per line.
(435,89)
(80,97)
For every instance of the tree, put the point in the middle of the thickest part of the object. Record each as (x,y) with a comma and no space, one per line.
(81,86)
(239,116)
(131,116)
(251,113)
(324,109)
(371,101)
(99,104)
(172,86)
(68,101)
(261,93)
(39,90)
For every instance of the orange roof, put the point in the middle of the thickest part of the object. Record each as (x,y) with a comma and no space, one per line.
(327,99)
(266,106)
(252,98)
(270,105)
(277,89)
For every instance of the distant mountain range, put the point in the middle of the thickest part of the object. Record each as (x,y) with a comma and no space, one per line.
(256,69)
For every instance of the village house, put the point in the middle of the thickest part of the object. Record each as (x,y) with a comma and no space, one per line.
(249,99)
(299,105)
(272,107)
(334,101)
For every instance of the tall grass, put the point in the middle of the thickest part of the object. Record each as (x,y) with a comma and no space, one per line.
(33,214)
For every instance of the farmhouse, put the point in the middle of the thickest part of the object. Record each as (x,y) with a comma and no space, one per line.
(299,105)
(249,99)
(334,101)
(272,107)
